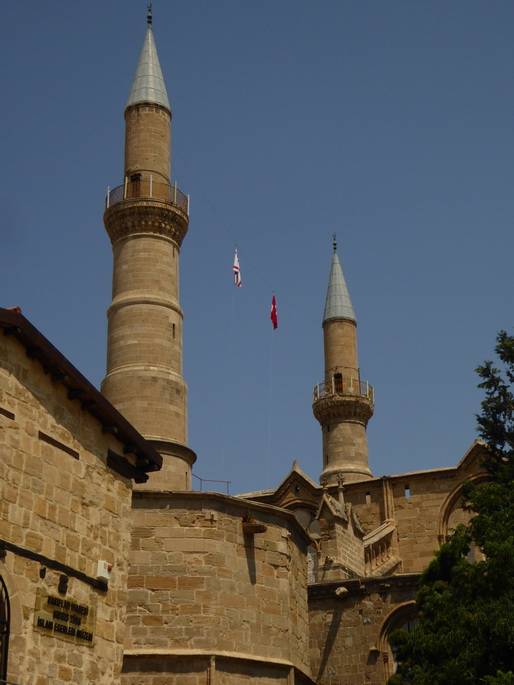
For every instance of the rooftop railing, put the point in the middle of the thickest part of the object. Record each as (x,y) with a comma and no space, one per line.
(148,189)
(338,385)
(209,480)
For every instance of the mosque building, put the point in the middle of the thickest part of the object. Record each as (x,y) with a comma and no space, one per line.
(113,570)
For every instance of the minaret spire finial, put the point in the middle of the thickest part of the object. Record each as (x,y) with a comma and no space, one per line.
(334,243)
(148,85)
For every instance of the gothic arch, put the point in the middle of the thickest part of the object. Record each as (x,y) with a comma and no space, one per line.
(450,506)
(5,626)
(398,618)
(16,614)
(10,609)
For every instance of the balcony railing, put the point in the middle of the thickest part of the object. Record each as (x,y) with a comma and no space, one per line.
(338,385)
(148,189)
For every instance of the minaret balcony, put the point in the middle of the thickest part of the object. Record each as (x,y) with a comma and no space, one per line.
(343,399)
(147,189)
(343,387)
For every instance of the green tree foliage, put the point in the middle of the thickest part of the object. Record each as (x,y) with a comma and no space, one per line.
(465,633)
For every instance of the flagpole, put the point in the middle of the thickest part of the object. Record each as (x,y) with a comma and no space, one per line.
(274,320)
(228,376)
(268,460)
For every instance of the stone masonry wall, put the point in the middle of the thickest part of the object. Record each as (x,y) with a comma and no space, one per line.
(419,502)
(417,516)
(342,551)
(349,630)
(58,500)
(366,500)
(201,587)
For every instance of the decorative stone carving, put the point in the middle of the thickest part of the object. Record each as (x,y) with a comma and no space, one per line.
(159,218)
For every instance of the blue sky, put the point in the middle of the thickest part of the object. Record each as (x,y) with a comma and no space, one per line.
(387,122)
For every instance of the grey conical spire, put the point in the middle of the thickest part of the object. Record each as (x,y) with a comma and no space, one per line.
(148,84)
(338,304)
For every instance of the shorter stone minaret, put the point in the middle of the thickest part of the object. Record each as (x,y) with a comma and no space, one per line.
(343,403)
(146,219)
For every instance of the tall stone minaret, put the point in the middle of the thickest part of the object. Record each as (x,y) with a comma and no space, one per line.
(146,219)
(343,403)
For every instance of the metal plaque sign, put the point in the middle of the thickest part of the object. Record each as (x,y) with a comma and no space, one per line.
(65,619)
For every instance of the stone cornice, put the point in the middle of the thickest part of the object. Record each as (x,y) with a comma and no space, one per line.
(364,586)
(143,299)
(147,103)
(131,217)
(175,449)
(343,407)
(216,654)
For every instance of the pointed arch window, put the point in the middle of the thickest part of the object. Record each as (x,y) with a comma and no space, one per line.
(5,620)
(404,617)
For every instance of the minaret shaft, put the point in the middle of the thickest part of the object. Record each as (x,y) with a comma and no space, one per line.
(340,348)
(147,143)
(145,333)
(146,220)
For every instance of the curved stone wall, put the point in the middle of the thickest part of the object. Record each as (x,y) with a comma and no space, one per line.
(218,583)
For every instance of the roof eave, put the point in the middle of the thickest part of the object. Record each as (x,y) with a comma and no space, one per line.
(79,388)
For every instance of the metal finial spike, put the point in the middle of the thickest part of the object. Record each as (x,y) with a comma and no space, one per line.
(335,241)
(149,15)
